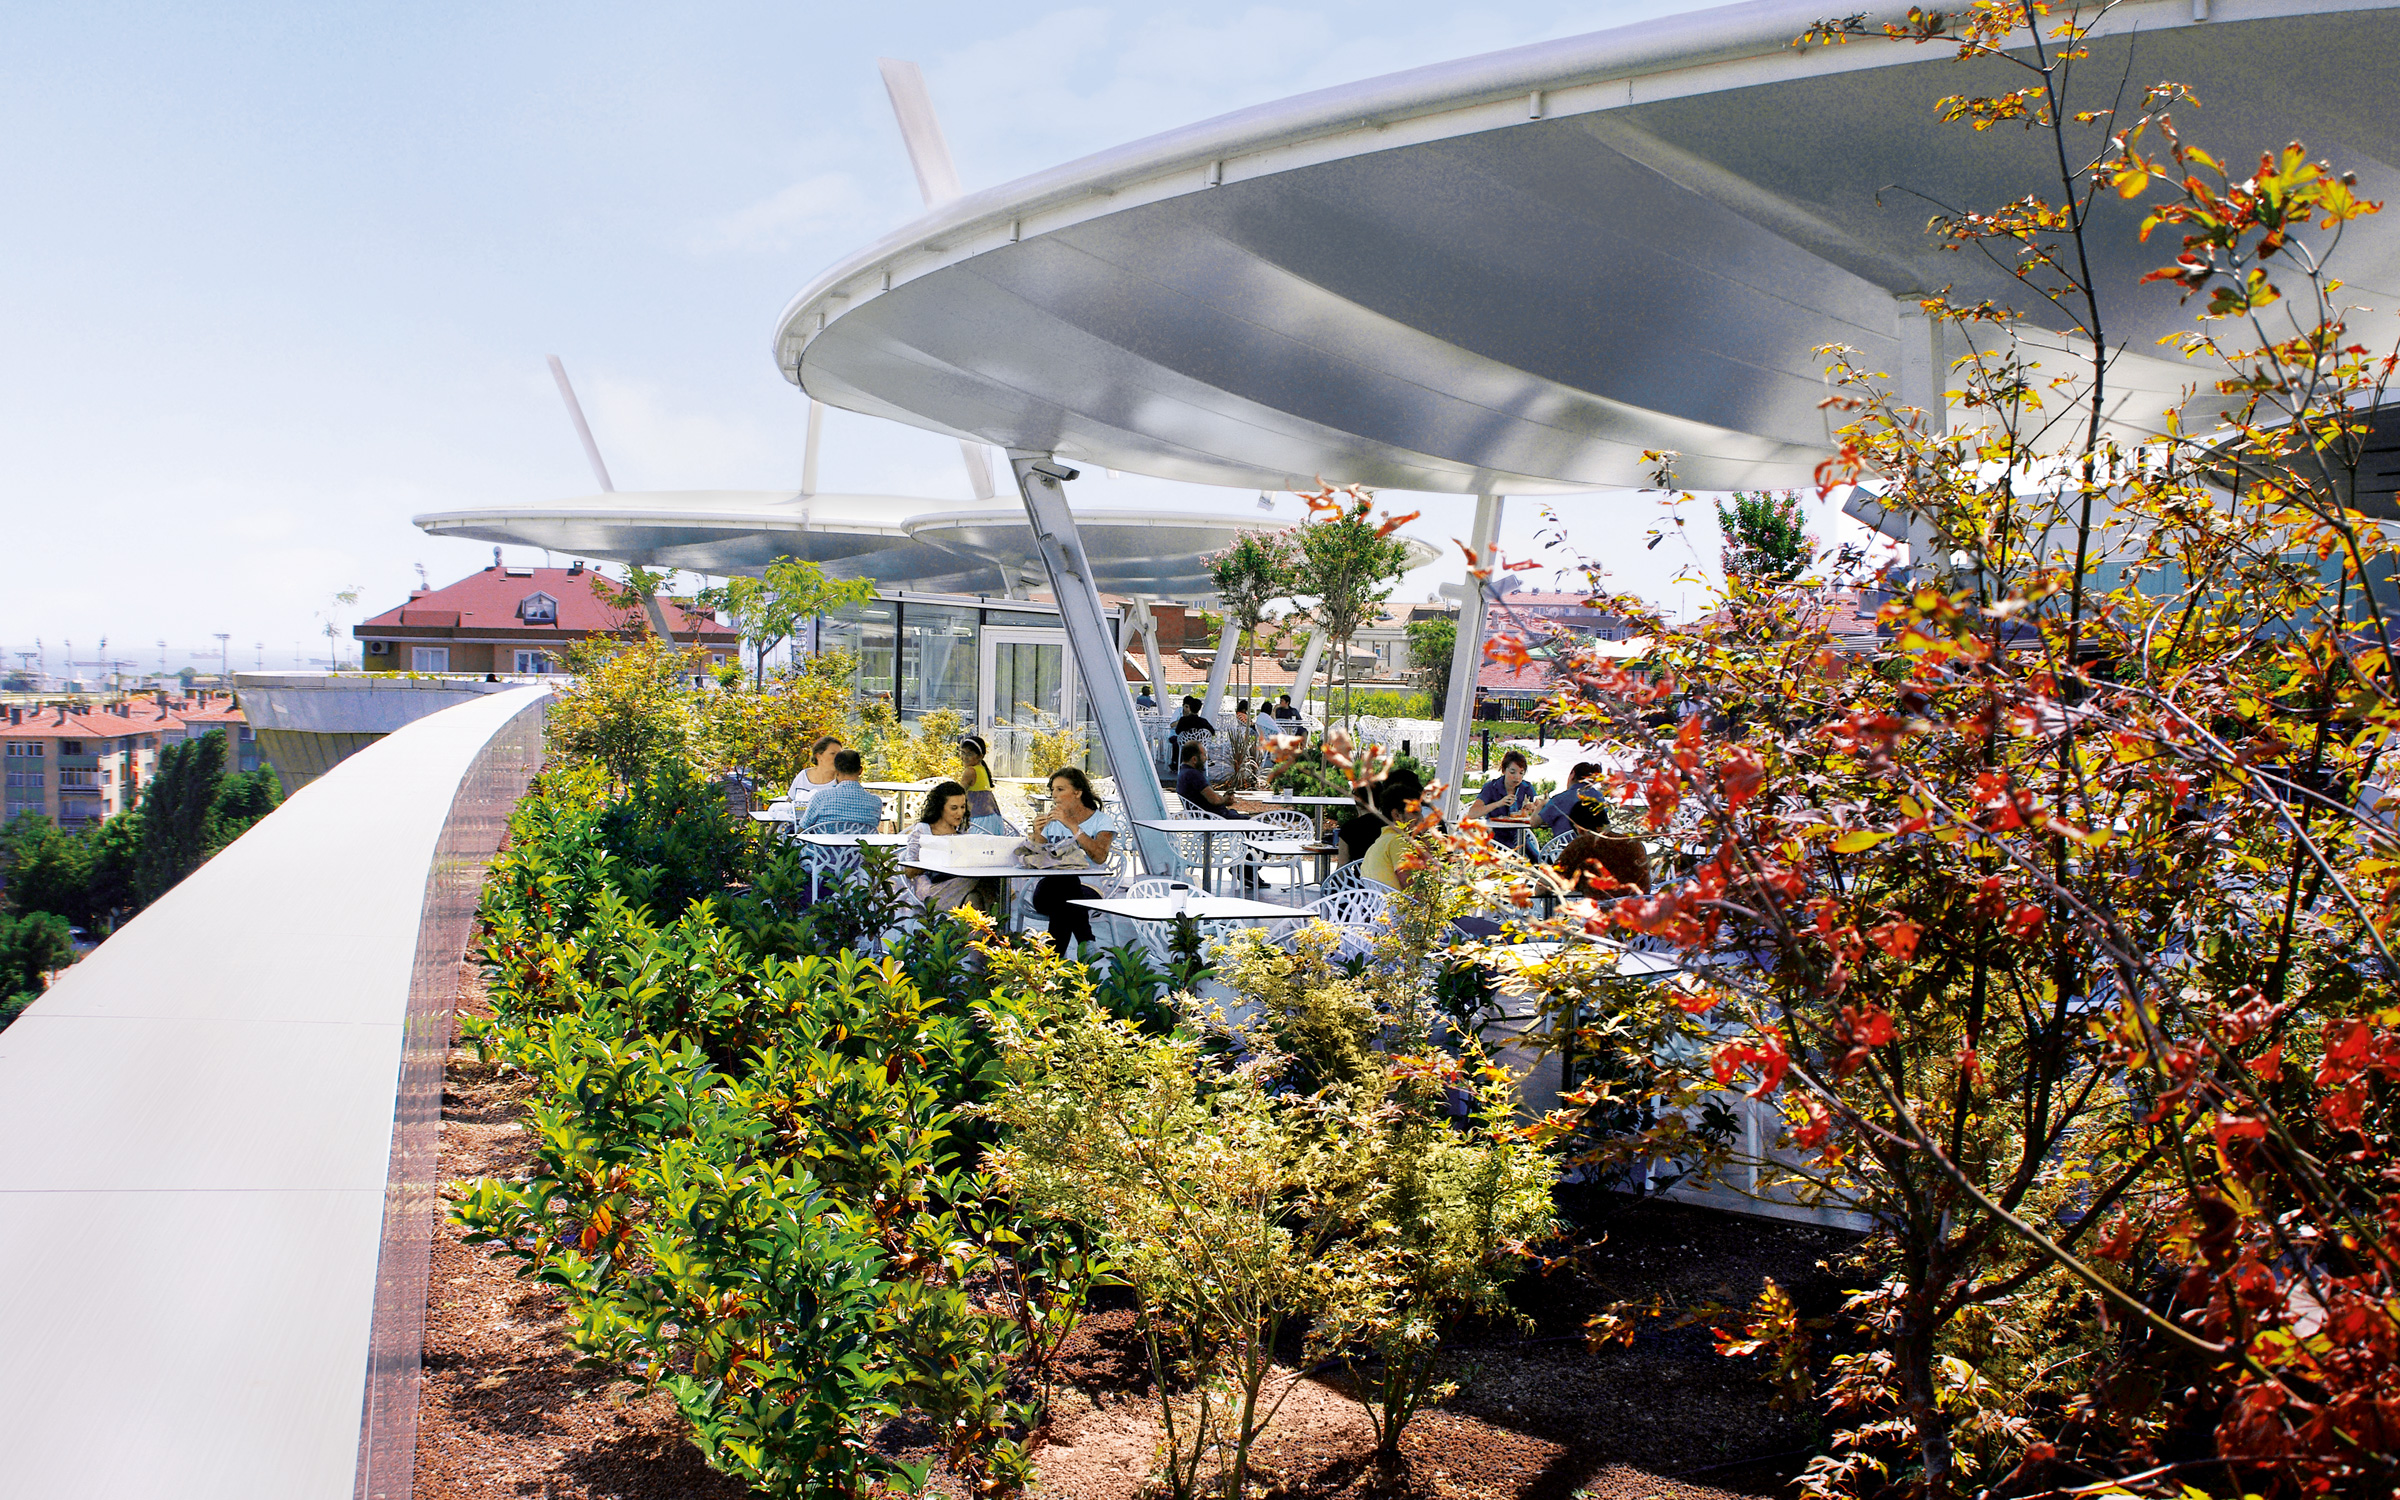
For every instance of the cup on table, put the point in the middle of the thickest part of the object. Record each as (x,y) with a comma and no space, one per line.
(1180,893)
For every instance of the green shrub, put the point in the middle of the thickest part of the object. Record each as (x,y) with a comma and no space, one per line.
(754,1180)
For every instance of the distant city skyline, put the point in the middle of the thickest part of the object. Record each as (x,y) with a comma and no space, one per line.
(282,278)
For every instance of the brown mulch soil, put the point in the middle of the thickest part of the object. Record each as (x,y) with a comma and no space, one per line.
(1537,1416)
(505,1412)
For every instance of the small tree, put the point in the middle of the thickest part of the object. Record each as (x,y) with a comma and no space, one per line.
(1348,563)
(1250,576)
(627,707)
(179,814)
(1430,646)
(45,868)
(1764,542)
(1180,1165)
(2054,930)
(770,609)
(31,948)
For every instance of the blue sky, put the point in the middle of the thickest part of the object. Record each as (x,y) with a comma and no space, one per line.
(274,279)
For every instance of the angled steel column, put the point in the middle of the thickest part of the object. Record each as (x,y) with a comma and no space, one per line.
(1308,666)
(1040,479)
(1220,671)
(1466,657)
(1158,678)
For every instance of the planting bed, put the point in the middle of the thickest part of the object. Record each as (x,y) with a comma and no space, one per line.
(505,1412)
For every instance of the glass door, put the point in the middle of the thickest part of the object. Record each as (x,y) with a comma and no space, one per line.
(1028,690)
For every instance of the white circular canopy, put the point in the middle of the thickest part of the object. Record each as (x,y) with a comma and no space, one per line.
(1514,273)
(730,531)
(1131,552)
(929,546)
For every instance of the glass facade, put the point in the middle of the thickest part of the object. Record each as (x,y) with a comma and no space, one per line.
(870,632)
(922,655)
(938,668)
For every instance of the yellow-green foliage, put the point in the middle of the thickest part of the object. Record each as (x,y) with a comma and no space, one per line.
(768,731)
(1420,1217)
(894,752)
(1323,1175)
(627,705)
(1182,1167)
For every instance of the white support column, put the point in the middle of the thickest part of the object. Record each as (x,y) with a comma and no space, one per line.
(1158,675)
(1308,666)
(1466,658)
(1220,671)
(1040,479)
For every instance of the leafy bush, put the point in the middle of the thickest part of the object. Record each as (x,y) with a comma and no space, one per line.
(1318,1166)
(31,947)
(754,1183)
(895,752)
(1311,774)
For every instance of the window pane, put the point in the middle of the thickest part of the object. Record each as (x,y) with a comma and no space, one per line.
(1020,617)
(938,644)
(867,630)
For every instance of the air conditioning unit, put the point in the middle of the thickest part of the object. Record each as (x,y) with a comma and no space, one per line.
(379,648)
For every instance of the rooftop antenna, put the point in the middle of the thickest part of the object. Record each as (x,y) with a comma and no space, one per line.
(583,429)
(423,582)
(937,180)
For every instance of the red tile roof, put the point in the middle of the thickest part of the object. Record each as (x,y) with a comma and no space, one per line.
(489,601)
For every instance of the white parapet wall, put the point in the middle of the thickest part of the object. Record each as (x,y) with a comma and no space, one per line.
(217,1144)
(309,722)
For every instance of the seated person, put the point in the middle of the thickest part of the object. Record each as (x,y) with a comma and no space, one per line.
(1398,801)
(1599,863)
(1077,821)
(1145,698)
(817,775)
(983,805)
(1191,783)
(845,801)
(1508,795)
(1191,718)
(945,814)
(1244,741)
(1360,829)
(1283,707)
(1556,814)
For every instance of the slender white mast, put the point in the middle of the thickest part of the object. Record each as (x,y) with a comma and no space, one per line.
(937,179)
(583,429)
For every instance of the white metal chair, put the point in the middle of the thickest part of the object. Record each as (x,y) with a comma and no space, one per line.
(833,860)
(1285,848)
(1555,844)
(1350,877)
(1357,912)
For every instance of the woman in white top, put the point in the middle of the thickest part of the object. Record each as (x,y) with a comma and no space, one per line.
(815,776)
(945,814)
(1076,821)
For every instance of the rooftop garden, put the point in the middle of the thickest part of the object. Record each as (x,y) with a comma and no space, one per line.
(2047,934)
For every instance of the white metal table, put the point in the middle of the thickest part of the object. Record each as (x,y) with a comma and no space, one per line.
(1198,907)
(1293,799)
(1208,829)
(1011,871)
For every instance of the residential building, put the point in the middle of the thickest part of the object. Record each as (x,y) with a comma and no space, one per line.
(80,766)
(73,768)
(514,621)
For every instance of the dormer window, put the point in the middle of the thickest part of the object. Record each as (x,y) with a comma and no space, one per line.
(538,609)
